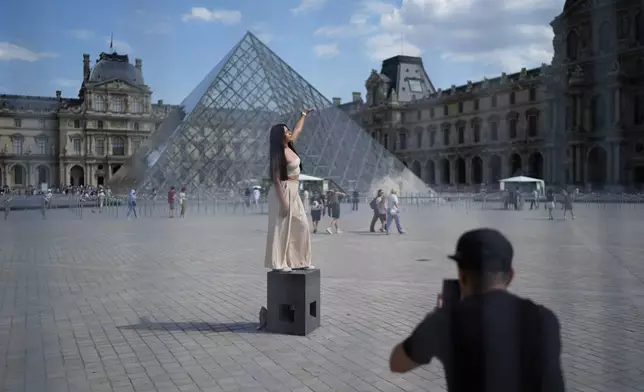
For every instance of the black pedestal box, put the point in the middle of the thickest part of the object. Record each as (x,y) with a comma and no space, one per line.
(293,302)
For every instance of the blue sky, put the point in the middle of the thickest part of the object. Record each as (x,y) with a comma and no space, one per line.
(333,44)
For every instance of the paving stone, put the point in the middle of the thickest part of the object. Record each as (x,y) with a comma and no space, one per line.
(106,304)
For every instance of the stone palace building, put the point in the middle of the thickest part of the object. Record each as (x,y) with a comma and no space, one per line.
(578,121)
(56,141)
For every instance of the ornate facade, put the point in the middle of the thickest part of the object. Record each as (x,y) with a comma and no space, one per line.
(578,121)
(596,93)
(56,141)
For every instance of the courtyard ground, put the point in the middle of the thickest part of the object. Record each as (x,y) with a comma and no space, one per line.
(106,304)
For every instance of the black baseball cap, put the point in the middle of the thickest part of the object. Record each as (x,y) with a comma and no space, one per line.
(484,250)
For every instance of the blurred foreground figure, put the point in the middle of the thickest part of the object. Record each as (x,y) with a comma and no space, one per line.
(490,340)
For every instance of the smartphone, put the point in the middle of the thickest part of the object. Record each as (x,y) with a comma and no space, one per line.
(451,292)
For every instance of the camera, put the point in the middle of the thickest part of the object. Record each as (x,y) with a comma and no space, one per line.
(451,292)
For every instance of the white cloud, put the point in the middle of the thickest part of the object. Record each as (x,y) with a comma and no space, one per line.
(506,34)
(9,51)
(308,5)
(387,45)
(82,34)
(65,83)
(326,50)
(118,46)
(227,17)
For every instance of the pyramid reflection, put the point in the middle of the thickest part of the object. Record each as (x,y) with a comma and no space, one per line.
(217,139)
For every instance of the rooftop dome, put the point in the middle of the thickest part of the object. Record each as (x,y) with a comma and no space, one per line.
(110,66)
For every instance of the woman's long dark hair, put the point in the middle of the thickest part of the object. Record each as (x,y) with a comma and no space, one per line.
(277,158)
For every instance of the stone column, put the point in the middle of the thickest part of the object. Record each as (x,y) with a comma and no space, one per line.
(617,106)
(65,174)
(88,175)
(109,146)
(505,166)
(468,171)
(577,157)
(452,171)
(579,108)
(438,179)
(616,166)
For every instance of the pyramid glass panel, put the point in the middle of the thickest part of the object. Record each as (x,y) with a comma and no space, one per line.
(216,141)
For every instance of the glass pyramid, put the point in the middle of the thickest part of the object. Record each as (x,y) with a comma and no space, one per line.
(216,142)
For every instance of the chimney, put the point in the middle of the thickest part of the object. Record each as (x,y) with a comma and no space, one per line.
(138,64)
(356,96)
(337,101)
(160,102)
(85,67)
(58,94)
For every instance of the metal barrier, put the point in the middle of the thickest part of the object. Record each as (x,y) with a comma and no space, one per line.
(117,208)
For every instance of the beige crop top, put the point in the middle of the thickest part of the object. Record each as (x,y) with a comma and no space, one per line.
(293,168)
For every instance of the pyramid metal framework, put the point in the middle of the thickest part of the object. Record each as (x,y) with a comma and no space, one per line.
(216,142)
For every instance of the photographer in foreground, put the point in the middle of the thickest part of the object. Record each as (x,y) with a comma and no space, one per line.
(490,340)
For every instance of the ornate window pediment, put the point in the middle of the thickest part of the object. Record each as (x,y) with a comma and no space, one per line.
(532,112)
(75,136)
(512,115)
(17,136)
(41,136)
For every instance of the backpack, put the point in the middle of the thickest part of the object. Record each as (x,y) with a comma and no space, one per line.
(374,204)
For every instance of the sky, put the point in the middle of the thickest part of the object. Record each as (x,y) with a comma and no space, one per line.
(333,44)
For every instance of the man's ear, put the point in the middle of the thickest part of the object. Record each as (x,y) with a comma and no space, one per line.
(510,276)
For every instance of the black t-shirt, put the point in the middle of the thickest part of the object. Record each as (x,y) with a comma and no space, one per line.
(494,342)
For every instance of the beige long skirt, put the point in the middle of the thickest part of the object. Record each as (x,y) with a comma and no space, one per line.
(288,243)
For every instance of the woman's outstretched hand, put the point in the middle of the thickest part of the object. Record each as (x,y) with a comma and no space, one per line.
(307,111)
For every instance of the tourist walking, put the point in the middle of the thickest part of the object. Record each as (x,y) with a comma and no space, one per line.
(101,200)
(171,201)
(183,199)
(534,203)
(379,207)
(393,212)
(6,204)
(333,198)
(550,203)
(256,195)
(288,242)
(355,199)
(316,212)
(490,339)
(567,204)
(305,200)
(131,204)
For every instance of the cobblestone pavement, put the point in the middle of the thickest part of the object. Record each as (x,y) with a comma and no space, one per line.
(104,304)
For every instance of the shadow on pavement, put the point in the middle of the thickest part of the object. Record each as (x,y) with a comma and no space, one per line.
(193,326)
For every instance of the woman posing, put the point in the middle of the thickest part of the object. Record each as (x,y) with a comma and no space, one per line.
(288,243)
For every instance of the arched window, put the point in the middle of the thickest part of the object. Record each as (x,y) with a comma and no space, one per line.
(476,130)
(17,145)
(598,105)
(118,146)
(638,27)
(446,135)
(117,104)
(572,45)
(99,103)
(605,37)
(18,175)
(403,140)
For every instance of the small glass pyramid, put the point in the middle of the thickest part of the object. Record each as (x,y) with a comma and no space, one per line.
(216,142)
